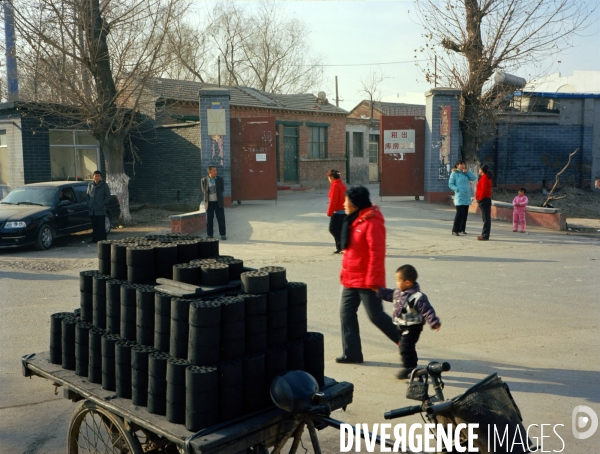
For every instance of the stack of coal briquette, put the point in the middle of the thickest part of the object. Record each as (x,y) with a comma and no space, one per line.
(198,361)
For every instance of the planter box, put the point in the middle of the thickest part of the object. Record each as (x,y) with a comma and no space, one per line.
(193,222)
(550,218)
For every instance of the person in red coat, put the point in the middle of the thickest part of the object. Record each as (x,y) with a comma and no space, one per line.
(483,195)
(363,272)
(335,209)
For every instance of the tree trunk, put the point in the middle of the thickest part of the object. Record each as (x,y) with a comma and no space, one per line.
(117,179)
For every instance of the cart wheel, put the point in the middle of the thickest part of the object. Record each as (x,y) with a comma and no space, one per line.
(417,197)
(239,202)
(95,430)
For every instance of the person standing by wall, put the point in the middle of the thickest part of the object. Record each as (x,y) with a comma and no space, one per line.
(459,183)
(213,187)
(484,199)
(335,209)
(363,272)
(519,207)
(98,194)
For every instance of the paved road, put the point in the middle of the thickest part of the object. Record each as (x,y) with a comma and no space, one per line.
(524,306)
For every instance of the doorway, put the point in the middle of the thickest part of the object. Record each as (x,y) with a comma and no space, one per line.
(290,154)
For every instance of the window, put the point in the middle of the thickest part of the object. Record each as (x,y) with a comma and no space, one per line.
(81,193)
(357,145)
(317,143)
(3,158)
(74,155)
(373,148)
(67,194)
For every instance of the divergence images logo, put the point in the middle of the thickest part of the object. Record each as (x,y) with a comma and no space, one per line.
(579,422)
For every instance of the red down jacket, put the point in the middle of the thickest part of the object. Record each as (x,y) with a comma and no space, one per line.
(363,265)
(484,188)
(337,192)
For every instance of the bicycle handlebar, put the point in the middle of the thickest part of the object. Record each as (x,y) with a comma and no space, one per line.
(400,412)
(437,368)
(438,408)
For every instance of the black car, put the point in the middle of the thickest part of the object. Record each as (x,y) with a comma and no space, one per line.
(39,212)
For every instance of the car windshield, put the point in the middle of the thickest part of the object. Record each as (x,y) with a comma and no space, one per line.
(31,196)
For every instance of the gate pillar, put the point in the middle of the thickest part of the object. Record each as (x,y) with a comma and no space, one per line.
(442,141)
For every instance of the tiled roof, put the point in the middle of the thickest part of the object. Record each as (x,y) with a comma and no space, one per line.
(398,108)
(183,90)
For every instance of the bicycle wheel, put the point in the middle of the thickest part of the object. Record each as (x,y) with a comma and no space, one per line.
(93,430)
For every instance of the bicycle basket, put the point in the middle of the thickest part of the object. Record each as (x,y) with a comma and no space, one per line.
(489,404)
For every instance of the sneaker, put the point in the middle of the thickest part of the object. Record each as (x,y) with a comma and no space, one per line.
(455,234)
(463,233)
(209,236)
(403,373)
(481,238)
(345,360)
(514,230)
(223,237)
(337,251)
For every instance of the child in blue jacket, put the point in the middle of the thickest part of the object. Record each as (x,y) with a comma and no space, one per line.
(411,310)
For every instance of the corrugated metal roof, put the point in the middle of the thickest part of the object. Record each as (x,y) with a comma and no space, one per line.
(558,95)
(184,90)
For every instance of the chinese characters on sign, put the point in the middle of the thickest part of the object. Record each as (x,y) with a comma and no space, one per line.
(399,141)
(444,165)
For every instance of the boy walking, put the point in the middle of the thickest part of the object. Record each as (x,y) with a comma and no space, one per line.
(411,310)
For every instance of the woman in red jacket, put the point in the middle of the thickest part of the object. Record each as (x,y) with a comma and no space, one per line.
(335,210)
(363,272)
(483,195)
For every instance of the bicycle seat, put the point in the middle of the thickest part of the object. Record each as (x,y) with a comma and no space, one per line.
(294,391)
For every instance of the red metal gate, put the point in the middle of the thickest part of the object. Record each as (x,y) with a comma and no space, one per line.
(402,155)
(253,161)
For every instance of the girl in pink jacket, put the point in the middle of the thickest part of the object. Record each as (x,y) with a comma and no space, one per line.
(520,204)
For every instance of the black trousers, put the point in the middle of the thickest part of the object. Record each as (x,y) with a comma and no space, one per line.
(460,218)
(335,228)
(213,209)
(485,206)
(409,336)
(351,299)
(98,229)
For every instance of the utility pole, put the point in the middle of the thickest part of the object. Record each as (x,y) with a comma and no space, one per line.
(435,72)
(337,99)
(12,80)
(219,68)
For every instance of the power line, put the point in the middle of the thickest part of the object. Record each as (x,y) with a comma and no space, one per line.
(371,64)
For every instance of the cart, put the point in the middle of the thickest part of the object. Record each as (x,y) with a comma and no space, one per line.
(105,423)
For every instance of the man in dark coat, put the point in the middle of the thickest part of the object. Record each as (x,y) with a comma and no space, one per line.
(213,187)
(98,194)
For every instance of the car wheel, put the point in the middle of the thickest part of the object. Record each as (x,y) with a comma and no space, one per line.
(107,223)
(45,237)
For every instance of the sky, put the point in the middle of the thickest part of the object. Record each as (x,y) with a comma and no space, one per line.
(374,34)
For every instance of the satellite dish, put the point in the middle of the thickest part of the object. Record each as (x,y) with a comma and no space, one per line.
(321,95)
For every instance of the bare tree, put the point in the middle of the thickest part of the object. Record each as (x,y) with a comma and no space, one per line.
(95,59)
(370,86)
(474,38)
(262,49)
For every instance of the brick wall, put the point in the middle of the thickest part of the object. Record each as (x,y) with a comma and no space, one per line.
(363,110)
(311,172)
(36,150)
(170,170)
(530,153)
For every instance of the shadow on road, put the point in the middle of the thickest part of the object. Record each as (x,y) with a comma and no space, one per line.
(551,381)
(28,276)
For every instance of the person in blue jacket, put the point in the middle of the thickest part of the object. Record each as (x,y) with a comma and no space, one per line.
(459,183)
